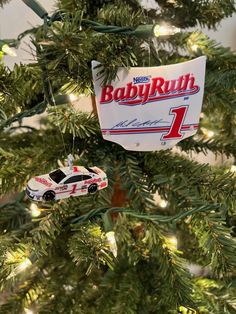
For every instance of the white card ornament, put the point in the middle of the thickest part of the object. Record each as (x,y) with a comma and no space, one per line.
(151,108)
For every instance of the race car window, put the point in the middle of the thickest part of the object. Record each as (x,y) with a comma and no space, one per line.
(57,175)
(90,170)
(85,177)
(74,179)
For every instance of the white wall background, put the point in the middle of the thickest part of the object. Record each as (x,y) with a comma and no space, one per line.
(16,17)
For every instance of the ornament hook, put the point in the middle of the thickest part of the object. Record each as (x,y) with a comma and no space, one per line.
(70,160)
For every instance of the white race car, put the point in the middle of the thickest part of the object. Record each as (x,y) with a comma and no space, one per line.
(66,182)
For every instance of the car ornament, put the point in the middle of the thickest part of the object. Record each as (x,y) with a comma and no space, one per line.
(66,182)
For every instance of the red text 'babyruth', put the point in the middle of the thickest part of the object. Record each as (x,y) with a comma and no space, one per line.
(156,89)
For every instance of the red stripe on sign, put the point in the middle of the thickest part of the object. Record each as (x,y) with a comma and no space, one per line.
(187,127)
(147,130)
(137,130)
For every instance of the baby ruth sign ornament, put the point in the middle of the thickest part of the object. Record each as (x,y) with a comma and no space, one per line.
(151,108)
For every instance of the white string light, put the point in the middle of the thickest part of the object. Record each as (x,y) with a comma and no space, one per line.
(173,241)
(165,30)
(8,51)
(20,268)
(73,97)
(163,203)
(111,242)
(183,310)
(34,210)
(159,201)
(233,168)
(194,47)
(28,311)
(23,266)
(208,133)
(202,115)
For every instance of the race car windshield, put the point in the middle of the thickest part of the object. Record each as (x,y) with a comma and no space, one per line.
(57,175)
(90,170)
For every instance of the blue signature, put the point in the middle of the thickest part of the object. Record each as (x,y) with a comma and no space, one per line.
(138,124)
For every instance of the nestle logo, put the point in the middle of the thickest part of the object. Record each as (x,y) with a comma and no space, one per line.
(141,79)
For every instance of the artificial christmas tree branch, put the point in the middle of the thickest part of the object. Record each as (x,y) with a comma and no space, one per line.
(3,2)
(38,109)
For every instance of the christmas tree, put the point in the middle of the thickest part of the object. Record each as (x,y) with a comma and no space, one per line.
(121,249)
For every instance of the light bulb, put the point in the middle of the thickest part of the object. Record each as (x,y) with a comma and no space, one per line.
(73,97)
(165,30)
(20,268)
(194,47)
(111,241)
(202,115)
(68,287)
(23,266)
(28,311)
(173,241)
(163,203)
(9,51)
(208,133)
(233,168)
(186,310)
(34,210)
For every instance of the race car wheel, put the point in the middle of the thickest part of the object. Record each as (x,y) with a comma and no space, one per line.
(92,188)
(49,196)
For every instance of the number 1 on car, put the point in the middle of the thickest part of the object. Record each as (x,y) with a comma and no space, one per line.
(74,186)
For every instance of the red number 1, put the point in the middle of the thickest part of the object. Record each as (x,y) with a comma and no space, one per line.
(73,189)
(179,114)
